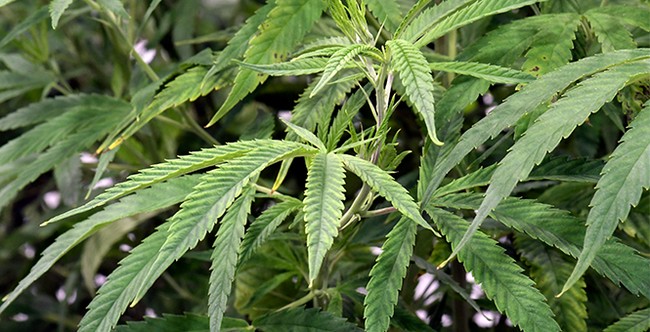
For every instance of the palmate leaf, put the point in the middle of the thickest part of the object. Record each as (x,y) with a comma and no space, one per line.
(386,186)
(57,7)
(302,66)
(198,214)
(638,321)
(224,256)
(157,197)
(387,274)
(559,229)
(624,177)
(552,45)
(533,94)
(387,12)
(499,275)
(262,228)
(173,168)
(303,320)
(209,201)
(472,12)
(285,26)
(550,270)
(341,59)
(323,207)
(545,134)
(414,73)
(492,73)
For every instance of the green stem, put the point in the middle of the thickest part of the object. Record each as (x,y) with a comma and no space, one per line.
(299,301)
(378,212)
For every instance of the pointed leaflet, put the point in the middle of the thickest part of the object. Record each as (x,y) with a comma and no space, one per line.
(285,26)
(172,168)
(341,59)
(638,321)
(157,197)
(551,47)
(387,12)
(485,71)
(499,275)
(559,229)
(475,11)
(262,228)
(323,207)
(175,323)
(57,7)
(209,201)
(514,107)
(26,24)
(624,177)
(306,135)
(386,186)
(549,270)
(387,275)
(610,31)
(296,67)
(545,134)
(414,73)
(224,256)
(301,320)
(429,18)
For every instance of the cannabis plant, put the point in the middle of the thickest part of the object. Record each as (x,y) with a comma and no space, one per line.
(433,147)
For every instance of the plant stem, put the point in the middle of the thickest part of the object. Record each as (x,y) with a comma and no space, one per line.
(378,212)
(299,301)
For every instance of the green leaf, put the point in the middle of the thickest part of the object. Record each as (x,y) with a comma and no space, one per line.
(173,168)
(175,323)
(611,33)
(306,135)
(210,199)
(224,256)
(550,270)
(323,207)
(346,115)
(492,73)
(341,59)
(638,321)
(114,6)
(499,275)
(387,274)
(303,320)
(473,12)
(262,228)
(295,67)
(533,94)
(24,25)
(559,229)
(552,46)
(629,14)
(386,186)
(57,7)
(157,197)
(429,18)
(285,26)
(624,177)
(387,12)
(414,73)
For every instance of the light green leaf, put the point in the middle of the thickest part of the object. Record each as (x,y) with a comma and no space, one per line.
(624,177)
(387,12)
(414,73)
(387,275)
(302,66)
(285,26)
(492,73)
(323,207)
(499,275)
(545,134)
(533,94)
(157,197)
(550,270)
(386,186)
(224,256)
(302,320)
(306,135)
(472,12)
(262,228)
(114,6)
(57,7)
(341,59)
(430,17)
(638,321)
(209,201)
